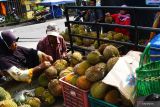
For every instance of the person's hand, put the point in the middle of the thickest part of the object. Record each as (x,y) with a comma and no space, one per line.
(44,65)
(46,57)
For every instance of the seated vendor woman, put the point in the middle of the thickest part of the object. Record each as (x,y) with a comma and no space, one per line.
(18,62)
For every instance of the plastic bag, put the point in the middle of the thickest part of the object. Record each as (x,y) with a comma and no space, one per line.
(123,74)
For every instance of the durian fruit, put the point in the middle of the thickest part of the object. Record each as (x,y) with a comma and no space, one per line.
(4,95)
(87,42)
(75,26)
(96,73)
(33,102)
(118,36)
(111,62)
(102,35)
(39,91)
(81,67)
(99,89)
(76,58)
(60,65)
(112,32)
(48,98)
(112,97)
(74,30)
(126,38)
(109,36)
(51,72)
(8,103)
(81,27)
(93,34)
(126,102)
(93,57)
(79,41)
(43,80)
(96,44)
(55,87)
(110,51)
(83,83)
(71,78)
(108,19)
(25,105)
(102,47)
(82,32)
(65,72)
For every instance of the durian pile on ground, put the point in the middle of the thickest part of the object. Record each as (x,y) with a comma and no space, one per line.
(89,73)
(46,89)
(80,30)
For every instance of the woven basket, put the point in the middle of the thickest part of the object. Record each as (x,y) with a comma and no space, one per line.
(148,75)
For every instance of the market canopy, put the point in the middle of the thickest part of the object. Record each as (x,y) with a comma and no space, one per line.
(56,2)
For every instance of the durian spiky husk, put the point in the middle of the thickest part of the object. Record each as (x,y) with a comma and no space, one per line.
(48,98)
(65,72)
(33,101)
(98,90)
(79,41)
(112,32)
(39,91)
(4,95)
(102,47)
(109,36)
(112,97)
(81,67)
(43,80)
(110,51)
(118,36)
(51,72)
(55,87)
(76,58)
(93,57)
(96,73)
(87,42)
(25,105)
(60,65)
(111,62)
(8,103)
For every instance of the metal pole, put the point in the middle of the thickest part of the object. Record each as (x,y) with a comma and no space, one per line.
(69,28)
(136,30)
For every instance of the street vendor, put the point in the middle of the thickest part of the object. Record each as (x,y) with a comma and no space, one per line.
(53,44)
(20,63)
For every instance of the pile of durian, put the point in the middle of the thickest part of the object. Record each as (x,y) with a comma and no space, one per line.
(48,88)
(81,30)
(89,73)
(49,85)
